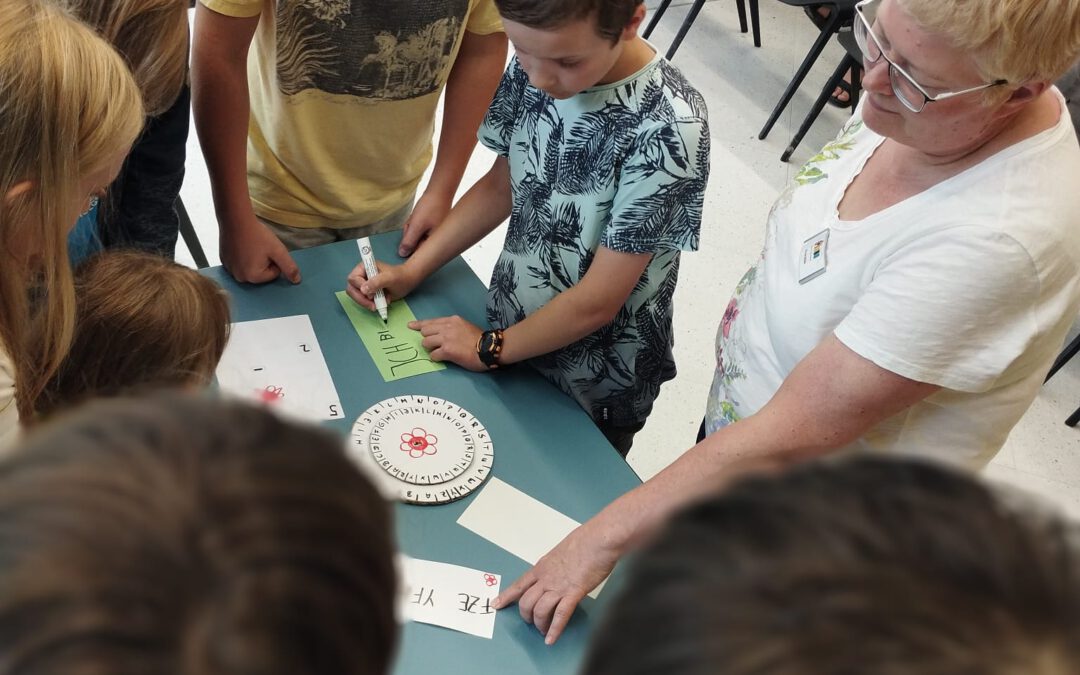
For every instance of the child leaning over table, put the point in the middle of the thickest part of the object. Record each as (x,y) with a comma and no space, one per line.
(142,322)
(603,159)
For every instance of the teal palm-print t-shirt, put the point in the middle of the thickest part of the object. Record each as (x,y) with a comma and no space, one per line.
(623,166)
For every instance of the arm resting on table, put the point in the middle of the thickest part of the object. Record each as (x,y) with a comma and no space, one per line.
(831,398)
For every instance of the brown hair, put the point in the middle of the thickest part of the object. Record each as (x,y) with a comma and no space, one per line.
(177,534)
(151,35)
(142,321)
(67,105)
(865,566)
(612,16)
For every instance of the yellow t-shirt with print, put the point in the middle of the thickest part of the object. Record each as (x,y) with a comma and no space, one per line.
(343,96)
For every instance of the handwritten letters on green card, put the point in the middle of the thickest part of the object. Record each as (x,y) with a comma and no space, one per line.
(395,348)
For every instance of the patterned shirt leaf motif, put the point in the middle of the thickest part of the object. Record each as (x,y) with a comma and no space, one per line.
(622,166)
(812,172)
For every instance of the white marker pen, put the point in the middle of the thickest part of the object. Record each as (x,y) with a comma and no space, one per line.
(369,266)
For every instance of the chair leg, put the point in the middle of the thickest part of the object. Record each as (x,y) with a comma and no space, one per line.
(846,63)
(1070,351)
(191,240)
(656,18)
(827,31)
(856,85)
(684,28)
(755,22)
(1073,418)
(740,5)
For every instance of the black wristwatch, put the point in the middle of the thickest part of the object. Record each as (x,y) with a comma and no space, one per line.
(489,347)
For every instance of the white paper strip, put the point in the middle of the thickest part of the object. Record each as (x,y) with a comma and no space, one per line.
(447,595)
(512,520)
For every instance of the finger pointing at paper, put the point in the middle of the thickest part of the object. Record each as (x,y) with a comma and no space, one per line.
(548,593)
(451,338)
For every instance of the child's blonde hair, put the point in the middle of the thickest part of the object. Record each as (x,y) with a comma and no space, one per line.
(67,106)
(143,322)
(151,35)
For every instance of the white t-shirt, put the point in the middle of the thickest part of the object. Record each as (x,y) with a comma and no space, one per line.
(9,412)
(970,285)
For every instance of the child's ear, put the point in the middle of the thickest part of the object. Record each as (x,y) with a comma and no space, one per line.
(631,30)
(18,190)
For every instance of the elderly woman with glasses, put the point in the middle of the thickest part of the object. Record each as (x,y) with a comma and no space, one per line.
(918,276)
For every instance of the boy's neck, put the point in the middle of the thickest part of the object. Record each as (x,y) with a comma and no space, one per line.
(636,54)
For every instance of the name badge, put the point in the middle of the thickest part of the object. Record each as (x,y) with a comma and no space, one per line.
(813,258)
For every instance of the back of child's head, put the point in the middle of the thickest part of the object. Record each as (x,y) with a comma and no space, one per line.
(612,16)
(151,35)
(182,535)
(143,322)
(68,104)
(866,566)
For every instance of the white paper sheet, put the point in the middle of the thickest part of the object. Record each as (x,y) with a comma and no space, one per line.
(447,595)
(512,520)
(278,362)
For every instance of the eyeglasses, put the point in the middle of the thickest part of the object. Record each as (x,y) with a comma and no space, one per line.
(913,95)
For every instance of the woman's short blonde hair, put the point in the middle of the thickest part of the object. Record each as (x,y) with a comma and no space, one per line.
(68,105)
(151,35)
(1013,40)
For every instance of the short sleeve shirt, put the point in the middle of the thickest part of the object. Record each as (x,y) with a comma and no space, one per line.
(970,285)
(623,166)
(343,96)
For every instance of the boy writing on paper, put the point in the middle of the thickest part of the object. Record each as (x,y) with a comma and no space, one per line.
(603,158)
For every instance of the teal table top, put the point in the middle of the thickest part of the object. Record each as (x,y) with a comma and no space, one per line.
(544,444)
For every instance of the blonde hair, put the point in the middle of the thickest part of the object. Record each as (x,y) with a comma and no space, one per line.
(1013,40)
(143,322)
(151,35)
(67,106)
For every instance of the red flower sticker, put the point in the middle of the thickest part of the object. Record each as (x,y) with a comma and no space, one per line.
(270,394)
(418,443)
(490,579)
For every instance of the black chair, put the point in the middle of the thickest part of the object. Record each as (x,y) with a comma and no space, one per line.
(841,15)
(689,21)
(191,240)
(852,62)
(1070,351)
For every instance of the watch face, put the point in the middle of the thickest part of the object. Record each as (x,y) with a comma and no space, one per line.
(486,351)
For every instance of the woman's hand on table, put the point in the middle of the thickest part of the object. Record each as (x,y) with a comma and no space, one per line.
(395,281)
(451,338)
(547,594)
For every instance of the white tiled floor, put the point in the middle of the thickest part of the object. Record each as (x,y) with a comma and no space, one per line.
(741,85)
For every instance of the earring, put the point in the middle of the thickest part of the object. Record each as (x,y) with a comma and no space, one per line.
(93,205)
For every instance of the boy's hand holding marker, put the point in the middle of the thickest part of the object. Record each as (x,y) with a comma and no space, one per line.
(448,338)
(367,259)
(395,281)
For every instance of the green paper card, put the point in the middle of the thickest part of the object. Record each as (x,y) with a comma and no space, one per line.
(395,348)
